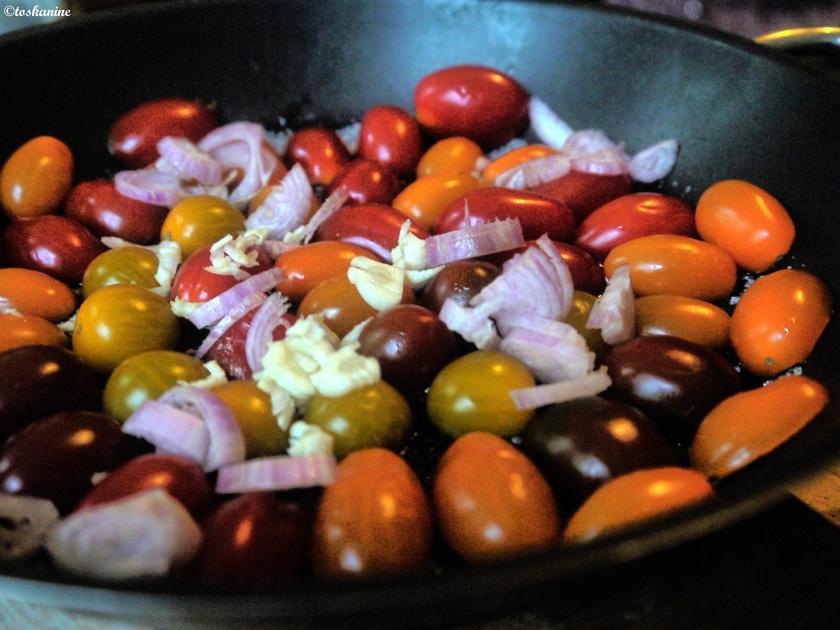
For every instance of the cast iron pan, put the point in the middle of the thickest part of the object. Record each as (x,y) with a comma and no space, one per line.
(739,111)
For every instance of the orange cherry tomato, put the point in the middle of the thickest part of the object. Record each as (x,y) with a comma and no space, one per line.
(680,316)
(746,221)
(200,221)
(306,267)
(779,319)
(450,156)
(491,501)
(637,497)
(251,407)
(748,425)
(675,265)
(425,199)
(34,293)
(514,158)
(17,331)
(36,178)
(373,520)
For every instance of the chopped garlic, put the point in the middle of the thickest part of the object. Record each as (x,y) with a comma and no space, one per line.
(182,308)
(410,252)
(419,278)
(296,236)
(344,371)
(216,376)
(380,285)
(355,333)
(282,367)
(168,254)
(309,439)
(229,256)
(283,406)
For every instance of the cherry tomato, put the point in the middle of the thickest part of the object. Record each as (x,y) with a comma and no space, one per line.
(321,153)
(460,280)
(473,394)
(746,221)
(306,267)
(632,216)
(514,158)
(124,265)
(749,425)
(374,520)
(675,265)
(578,316)
(391,136)
(55,245)
(450,156)
(119,321)
(779,319)
(371,416)
(338,303)
(145,376)
(17,331)
(480,103)
(36,178)
(538,215)
(35,293)
(372,225)
(635,498)
(100,208)
(698,321)
(425,199)
(134,136)
(366,181)
(194,283)
(252,409)
(229,350)
(583,193)
(491,501)
(200,221)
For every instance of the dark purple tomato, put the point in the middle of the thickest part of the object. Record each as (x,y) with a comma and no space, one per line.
(100,208)
(581,444)
(371,225)
(366,181)
(676,382)
(40,380)
(55,457)
(229,350)
(253,540)
(584,193)
(133,138)
(537,214)
(320,152)
(411,344)
(632,216)
(391,136)
(180,477)
(54,245)
(479,103)
(461,281)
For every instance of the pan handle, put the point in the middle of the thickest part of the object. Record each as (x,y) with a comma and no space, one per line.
(791,38)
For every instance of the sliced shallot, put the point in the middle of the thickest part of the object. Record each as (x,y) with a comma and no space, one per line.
(610,161)
(24,522)
(587,142)
(547,125)
(170,430)
(331,205)
(534,172)
(269,315)
(474,241)
(591,384)
(553,351)
(286,207)
(187,162)
(149,185)
(350,136)
(277,473)
(236,313)
(653,163)
(213,310)
(614,313)
(473,324)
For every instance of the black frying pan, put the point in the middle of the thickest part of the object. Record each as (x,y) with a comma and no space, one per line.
(739,111)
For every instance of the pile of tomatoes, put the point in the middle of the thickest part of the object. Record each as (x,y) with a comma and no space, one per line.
(573,470)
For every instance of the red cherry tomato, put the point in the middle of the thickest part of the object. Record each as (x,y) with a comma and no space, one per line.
(366,181)
(100,208)
(321,153)
(632,216)
(194,283)
(133,138)
(583,193)
(537,214)
(479,103)
(229,350)
(391,136)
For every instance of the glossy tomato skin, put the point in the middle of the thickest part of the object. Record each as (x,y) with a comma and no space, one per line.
(477,102)
(460,280)
(253,541)
(47,379)
(671,264)
(374,520)
(100,208)
(200,221)
(746,221)
(34,293)
(635,498)
(537,214)
(194,283)
(578,315)
(134,136)
(252,409)
(425,199)
(320,152)
(748,425)
(450,156)
(181,478)
(55,457)
(366,181)
(390,136)
(17,331)
(124,265)
(674,381)
(36,177)
(584,193)
(632,216)
(514,158)
(695,320)
(581,444)
(229,350)
(491,501)
(373,226)
(779,319)
(55,245)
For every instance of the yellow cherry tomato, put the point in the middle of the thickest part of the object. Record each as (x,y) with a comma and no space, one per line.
(450,156)
(124,265)
(200,221)
(425,199)
(36,178)
(251,407)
